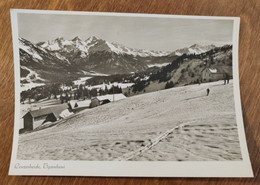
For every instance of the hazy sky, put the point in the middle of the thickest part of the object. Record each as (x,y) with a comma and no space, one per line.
(143,32)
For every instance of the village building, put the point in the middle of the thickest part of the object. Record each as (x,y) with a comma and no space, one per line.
(101,100)
(36,118)
(77,106)
(111,97)
(215,73)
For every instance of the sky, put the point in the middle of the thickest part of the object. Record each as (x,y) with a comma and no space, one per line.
(162,34)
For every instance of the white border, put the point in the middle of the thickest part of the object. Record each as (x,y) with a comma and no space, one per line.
(136,168)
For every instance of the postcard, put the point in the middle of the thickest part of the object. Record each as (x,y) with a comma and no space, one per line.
(123,94)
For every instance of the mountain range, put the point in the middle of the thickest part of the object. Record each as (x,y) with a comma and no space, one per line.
(60,58)
(194,49)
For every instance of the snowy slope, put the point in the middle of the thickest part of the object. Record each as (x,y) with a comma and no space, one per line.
(81,81)
(199,127)
(32,80)
(29,50)
(158,65)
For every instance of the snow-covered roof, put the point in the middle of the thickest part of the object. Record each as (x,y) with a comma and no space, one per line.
(66,113)
(84,103)
(79,104)
(72,103)
(56,110)
(213,70)
(111,97)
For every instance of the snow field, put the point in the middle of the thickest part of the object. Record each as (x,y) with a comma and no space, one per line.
(178,124)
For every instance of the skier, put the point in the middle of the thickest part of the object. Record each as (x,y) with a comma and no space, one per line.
(208,91)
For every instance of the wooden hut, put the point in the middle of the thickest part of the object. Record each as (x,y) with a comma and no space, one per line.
(35,118)
(213,74)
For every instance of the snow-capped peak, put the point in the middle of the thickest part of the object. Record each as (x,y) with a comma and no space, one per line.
(120,49)
(59,39)
(52,45)
(77,38)
(30,48)
(194,46)
(193,49)
(91,41)
(93,44)
(93,38)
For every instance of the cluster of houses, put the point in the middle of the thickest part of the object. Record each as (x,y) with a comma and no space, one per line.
(36,118)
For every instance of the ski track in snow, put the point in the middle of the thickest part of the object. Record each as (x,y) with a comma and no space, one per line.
(181,134)
(178,124)
(152,143)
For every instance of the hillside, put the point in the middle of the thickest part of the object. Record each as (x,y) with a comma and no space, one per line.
(186,70)
(45,65)
(175,124)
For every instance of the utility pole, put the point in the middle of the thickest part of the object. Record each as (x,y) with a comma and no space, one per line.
(113,94)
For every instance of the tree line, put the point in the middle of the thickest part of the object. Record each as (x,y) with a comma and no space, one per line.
(55,91)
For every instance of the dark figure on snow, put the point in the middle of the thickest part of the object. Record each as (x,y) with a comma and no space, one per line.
(227,78)
(208,91)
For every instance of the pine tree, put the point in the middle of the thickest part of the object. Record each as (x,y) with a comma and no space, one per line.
(169,85)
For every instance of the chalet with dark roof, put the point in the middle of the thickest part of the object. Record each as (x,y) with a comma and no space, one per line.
(35,118)
(209,74)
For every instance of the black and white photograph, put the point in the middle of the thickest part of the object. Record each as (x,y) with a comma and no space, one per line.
(127,88)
